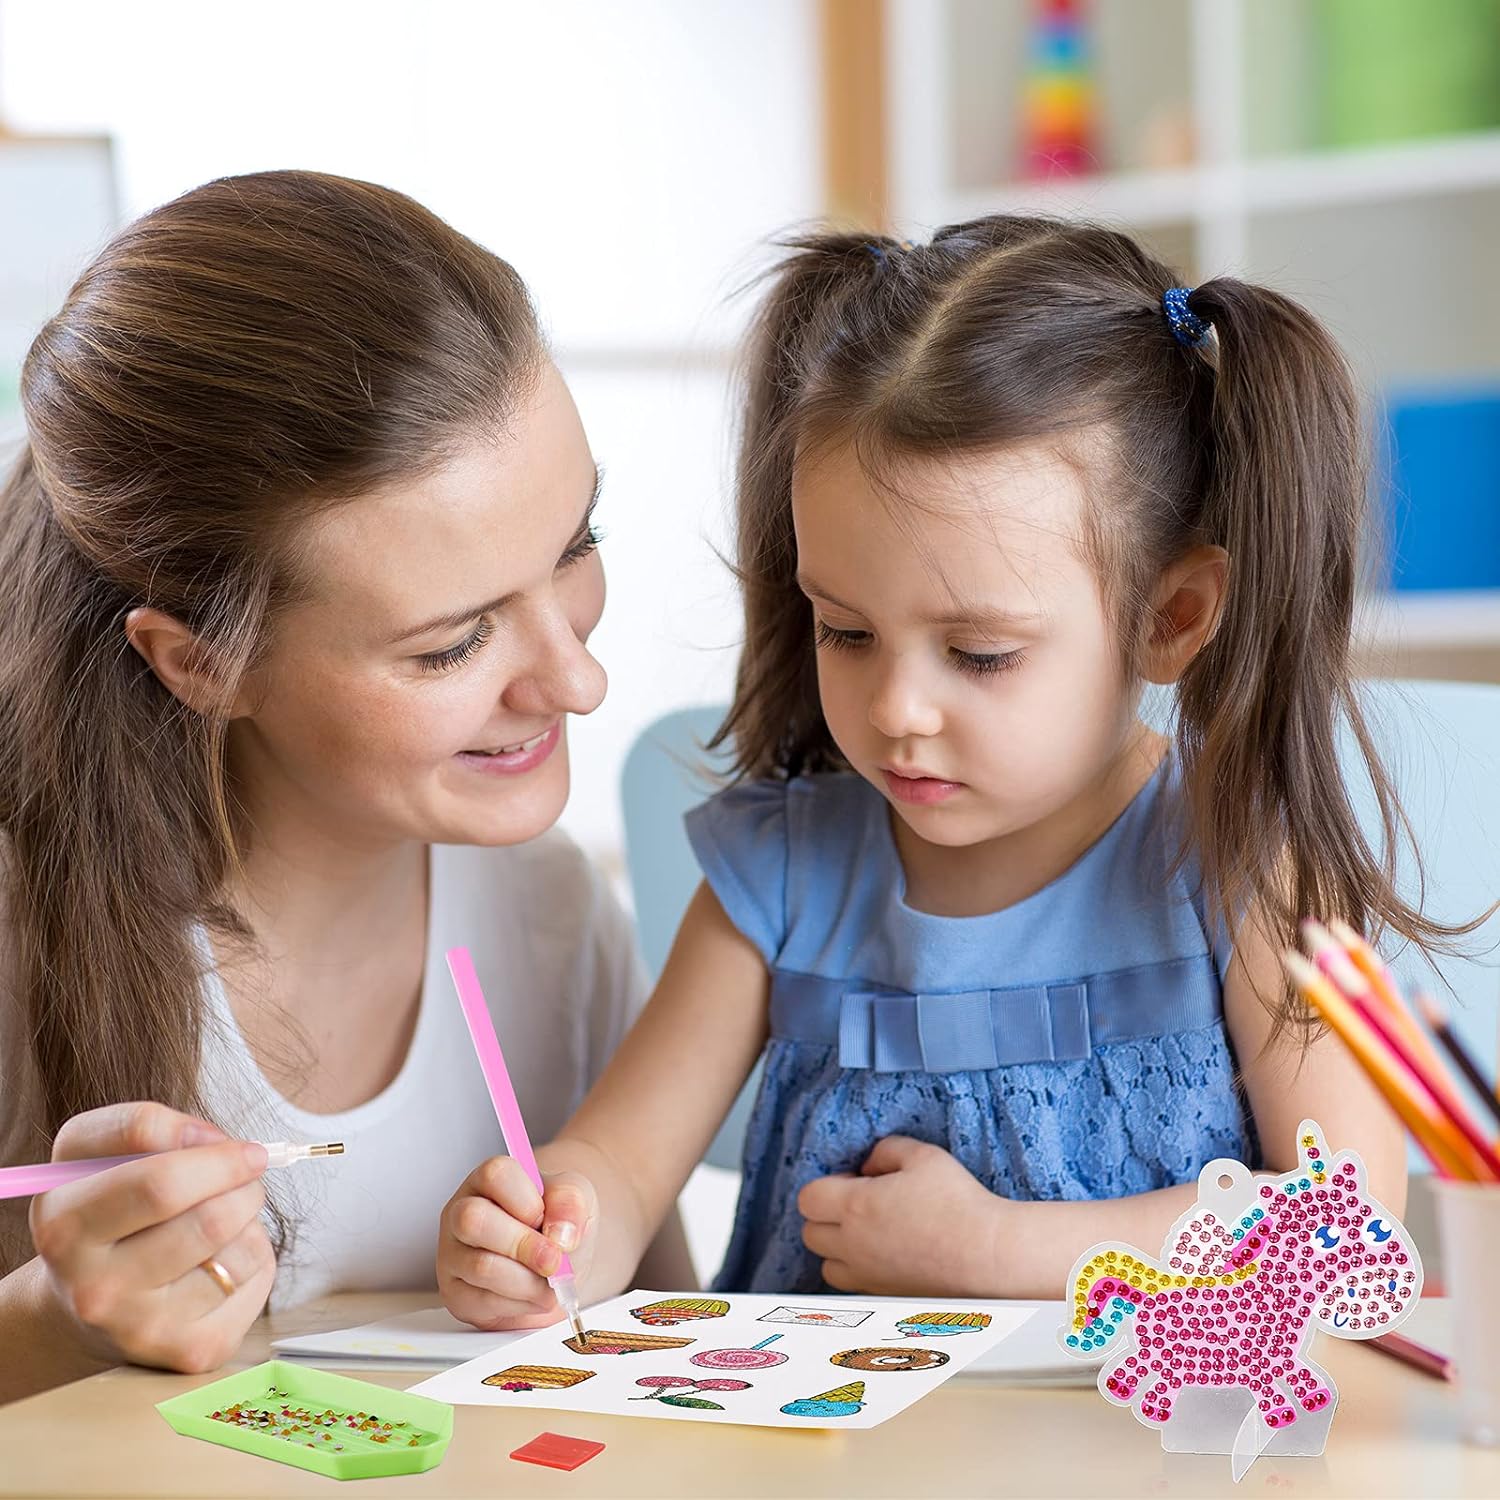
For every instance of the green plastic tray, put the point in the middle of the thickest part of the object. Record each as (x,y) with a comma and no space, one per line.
(429,1422)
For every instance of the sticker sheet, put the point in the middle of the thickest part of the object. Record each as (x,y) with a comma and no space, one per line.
(751,1360)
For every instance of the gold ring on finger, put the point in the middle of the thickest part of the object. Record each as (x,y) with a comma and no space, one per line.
(219,1276)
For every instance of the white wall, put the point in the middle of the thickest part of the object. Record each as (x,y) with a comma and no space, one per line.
(628,158)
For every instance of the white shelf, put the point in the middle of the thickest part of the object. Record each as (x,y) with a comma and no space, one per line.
(1321,179)
(1461,618)
(1221,201)
(1314,179)
(1145,199)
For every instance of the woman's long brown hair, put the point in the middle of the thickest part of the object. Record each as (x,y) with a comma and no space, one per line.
(1013,328)
(261,347)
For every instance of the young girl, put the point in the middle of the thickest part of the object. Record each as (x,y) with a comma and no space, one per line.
(1011,955)
(298,573)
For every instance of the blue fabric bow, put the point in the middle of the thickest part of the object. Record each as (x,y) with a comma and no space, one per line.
(894,1031)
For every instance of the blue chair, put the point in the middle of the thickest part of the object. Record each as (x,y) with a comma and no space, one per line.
(1440,740)
(666,773)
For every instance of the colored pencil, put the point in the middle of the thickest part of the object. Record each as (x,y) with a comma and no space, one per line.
(1436,1136)
(1442,1028)
(1368,962)
(1381,979)
(1410,1352)
(1401,1035)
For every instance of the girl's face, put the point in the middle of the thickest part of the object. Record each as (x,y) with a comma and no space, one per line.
(967,665)
(421,689)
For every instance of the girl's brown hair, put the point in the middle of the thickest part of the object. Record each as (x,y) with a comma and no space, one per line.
(261,347)
(1010,329)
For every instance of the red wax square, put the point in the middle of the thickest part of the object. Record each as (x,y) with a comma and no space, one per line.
(557,1452)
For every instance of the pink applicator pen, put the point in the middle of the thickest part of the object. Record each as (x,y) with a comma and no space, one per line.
(507,1108)
(26,1182)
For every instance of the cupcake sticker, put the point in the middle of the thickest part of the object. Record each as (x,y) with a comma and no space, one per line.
(937,1325)
(671,1311)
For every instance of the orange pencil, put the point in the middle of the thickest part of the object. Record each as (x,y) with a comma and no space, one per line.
(1372,966)
(1428,1071)
(1434,1135)
(1368,962)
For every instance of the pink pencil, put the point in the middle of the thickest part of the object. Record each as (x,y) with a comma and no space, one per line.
(507,1107)
(1410,1352)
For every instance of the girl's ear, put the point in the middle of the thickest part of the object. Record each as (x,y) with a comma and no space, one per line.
(180,661)
(1184,612)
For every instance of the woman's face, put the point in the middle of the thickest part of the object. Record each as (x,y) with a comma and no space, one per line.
(422,688)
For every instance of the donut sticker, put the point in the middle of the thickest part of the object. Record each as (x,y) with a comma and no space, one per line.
(816,1317)
(887,1361)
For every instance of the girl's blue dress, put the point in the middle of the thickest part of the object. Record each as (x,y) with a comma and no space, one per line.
(1069,1046)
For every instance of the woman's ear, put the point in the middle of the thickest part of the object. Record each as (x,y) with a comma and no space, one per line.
(1184,612)
(180,661)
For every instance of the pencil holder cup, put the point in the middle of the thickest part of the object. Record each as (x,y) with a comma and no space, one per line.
(1469,1220)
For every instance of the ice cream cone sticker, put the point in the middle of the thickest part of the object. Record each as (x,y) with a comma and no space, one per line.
(841,1401)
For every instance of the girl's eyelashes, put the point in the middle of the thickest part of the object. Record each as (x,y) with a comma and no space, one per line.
(442,661)
(986,664)
(975,663)
(838,640)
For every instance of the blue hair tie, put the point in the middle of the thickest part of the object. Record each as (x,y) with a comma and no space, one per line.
(1187,327)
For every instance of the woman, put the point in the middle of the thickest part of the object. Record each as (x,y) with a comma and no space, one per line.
(299,575)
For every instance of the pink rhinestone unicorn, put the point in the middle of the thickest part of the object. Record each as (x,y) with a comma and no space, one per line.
(1243,1280)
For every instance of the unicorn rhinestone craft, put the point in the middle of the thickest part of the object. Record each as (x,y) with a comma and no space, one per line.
(1209,1340)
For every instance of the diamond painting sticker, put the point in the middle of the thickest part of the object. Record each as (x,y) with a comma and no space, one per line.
(601,1341)
(1209,1341)
(817,1317)
(809,1370)
(937,1325)
(674,1310)
(537,1378)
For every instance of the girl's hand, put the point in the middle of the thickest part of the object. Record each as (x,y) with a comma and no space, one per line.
(498,1242)
(124,1250)
(914,1222)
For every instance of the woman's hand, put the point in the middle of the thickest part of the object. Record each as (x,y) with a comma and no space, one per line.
(124,1251)
(499,1241)
(914,1222)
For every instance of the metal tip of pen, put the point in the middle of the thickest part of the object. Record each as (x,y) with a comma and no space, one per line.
(333,1148)
(578,1332)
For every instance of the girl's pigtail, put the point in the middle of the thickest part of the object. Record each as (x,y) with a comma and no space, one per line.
(1260,708)
(774,724)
